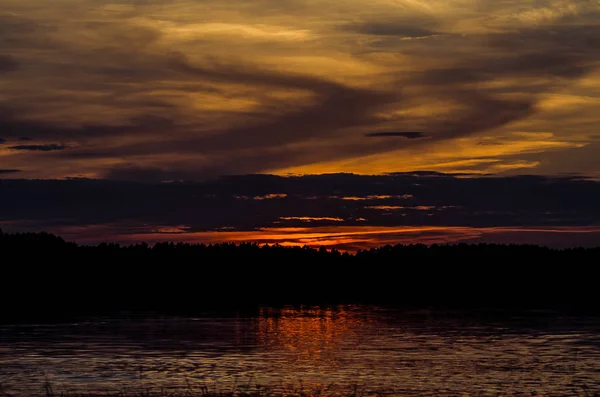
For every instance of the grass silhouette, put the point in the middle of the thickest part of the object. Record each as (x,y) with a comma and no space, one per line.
(255,390)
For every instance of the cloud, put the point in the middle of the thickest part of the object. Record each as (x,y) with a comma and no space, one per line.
(7,64)
(21,32)
(9,171)
(133,86)
(39,148)
(421,199)
(398,29)
(536,60)
(407,135)
(2,141)
(12,127)
(132,173)
(581,161)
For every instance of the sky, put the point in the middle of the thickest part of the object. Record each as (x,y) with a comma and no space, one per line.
(156,91)
(344,211)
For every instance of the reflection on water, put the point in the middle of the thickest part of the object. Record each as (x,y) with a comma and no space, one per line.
(422,353)
(309,335)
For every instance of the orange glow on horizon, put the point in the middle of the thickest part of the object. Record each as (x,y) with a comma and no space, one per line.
(344,238)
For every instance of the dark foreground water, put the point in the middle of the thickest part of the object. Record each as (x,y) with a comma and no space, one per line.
(399,352)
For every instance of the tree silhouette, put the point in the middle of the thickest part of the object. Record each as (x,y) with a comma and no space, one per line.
(45,277)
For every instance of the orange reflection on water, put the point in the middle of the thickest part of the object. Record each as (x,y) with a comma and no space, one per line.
(310,334)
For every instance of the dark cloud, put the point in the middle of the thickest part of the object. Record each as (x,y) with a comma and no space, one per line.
(12,126)
(7,64)
(17,31)
(407,135)
(2,141)
(40,148)
(138,173)
(401,199)
(399,29)
(9,171)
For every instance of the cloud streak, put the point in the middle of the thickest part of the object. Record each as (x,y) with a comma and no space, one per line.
(39,148)
(402,29)
(407,135)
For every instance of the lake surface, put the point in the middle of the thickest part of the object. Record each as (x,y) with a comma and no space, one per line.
(405,353)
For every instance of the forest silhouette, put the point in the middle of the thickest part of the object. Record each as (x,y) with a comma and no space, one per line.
(46,278)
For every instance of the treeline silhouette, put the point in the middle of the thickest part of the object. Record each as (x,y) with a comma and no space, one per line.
(45,278)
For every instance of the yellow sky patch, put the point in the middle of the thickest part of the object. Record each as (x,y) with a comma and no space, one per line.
(460,155)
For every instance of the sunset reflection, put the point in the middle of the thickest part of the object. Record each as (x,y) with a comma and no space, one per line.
(308,333)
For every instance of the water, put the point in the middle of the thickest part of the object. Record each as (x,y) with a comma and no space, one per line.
(377,349)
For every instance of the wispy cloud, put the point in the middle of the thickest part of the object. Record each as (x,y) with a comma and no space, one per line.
(290,86)
(402,29)
(39,148)
(407,135)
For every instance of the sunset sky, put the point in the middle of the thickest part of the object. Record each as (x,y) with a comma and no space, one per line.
(148,91)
